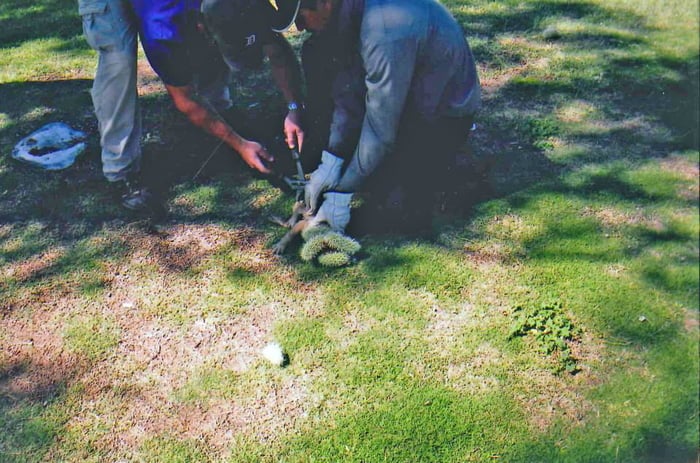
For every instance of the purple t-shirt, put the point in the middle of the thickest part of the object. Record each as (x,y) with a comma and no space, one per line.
(174,47)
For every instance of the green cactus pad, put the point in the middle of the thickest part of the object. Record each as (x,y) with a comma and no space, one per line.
(340,242)
(328,241)
(334,259)
(310,232)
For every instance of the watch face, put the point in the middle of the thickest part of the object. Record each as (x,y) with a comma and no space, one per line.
(292,106)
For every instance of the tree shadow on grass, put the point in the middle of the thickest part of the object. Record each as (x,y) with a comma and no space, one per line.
(30,389)
(25,21)
(70,206)
(633,90)
(60,231)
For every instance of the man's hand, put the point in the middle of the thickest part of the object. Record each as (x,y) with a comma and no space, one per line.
(293,133)
(325,177)
(203,115)
(335,211)
(255,155)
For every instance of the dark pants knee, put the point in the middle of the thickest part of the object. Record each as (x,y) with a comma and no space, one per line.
(319,71)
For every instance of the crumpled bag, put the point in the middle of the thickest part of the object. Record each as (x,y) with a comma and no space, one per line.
(54,146)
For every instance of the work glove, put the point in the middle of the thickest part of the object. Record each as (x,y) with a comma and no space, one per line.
(325,177)
(335,211)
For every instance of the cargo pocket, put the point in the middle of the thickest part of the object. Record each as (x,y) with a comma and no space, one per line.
(98,24)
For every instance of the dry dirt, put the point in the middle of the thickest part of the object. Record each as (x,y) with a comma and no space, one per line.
(134,390)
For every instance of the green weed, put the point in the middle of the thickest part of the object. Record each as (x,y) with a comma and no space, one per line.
(590,199)
(552,330)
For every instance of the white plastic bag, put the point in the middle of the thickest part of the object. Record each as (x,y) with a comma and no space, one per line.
(53,147)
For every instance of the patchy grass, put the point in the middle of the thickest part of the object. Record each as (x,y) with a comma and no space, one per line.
(126,340)
(92,337)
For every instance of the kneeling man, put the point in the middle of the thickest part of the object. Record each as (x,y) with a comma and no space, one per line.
(403,89)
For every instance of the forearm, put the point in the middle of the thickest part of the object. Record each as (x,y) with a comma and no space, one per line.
(204,116)
(201,114)
(363,163)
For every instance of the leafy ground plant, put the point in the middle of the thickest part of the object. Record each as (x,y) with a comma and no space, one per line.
(552,330)
(128,340)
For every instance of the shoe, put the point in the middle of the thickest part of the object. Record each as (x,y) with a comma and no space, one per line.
(133,195)
(137,197)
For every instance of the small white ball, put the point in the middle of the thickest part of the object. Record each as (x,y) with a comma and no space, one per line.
(274,354)
(551,33)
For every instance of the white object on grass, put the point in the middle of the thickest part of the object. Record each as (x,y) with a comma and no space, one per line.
(274,354)
(53,147)
(551,33)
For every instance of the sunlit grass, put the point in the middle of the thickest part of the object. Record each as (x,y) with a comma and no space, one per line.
(47,59)
(151,333)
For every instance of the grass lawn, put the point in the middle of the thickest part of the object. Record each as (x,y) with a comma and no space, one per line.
(557,321)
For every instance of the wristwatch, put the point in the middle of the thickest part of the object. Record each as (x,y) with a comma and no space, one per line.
(294,106)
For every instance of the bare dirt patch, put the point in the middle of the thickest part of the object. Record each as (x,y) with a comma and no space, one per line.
(155,361)
(686,168)
(37,377)
(615,218)
(136,390)
(472,376)
(448,323)
(487,256)
(181,247)
(690,321)
(549,397)
(33,267)
(148,81)
(555,402)
(34,363)
(451,361)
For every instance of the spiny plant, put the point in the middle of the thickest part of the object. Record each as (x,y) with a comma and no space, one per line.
(552,329)
(330,248)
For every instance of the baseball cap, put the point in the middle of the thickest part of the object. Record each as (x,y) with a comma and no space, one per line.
(241,27)
(286,14)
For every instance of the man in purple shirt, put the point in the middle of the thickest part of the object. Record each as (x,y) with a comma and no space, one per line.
(195,75)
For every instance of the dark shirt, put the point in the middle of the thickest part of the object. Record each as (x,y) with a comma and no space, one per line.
(174,47)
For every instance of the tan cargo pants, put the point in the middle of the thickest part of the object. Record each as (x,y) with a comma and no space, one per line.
(110,29)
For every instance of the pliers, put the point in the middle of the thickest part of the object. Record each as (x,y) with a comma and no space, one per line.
(298,181)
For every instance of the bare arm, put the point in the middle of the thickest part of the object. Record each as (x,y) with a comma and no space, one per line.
(287,76)
(204,116)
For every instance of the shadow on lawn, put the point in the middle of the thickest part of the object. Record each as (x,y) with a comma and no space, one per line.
(26,21)
(74,203)
(516,161)
(31,415)
(622,80)
(40,211)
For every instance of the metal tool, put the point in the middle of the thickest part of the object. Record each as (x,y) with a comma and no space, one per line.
(298,182)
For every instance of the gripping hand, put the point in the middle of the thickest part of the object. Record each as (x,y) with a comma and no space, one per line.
(335,211)
(324,178)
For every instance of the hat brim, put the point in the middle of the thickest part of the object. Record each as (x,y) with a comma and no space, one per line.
(286,14)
